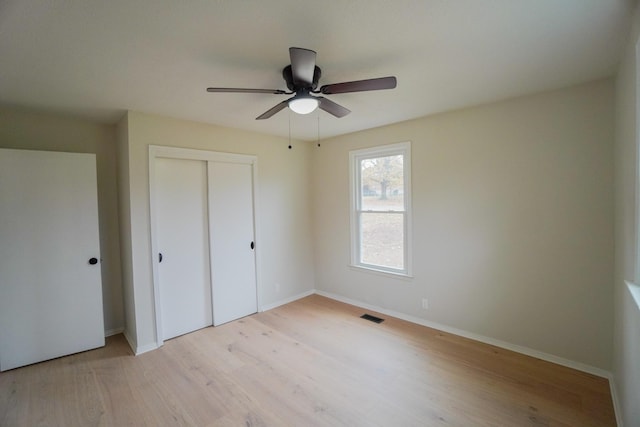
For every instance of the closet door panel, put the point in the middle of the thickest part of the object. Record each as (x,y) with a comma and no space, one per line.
(183,240)
(232,242)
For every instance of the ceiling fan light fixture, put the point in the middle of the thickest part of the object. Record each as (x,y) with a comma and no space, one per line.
(303,104)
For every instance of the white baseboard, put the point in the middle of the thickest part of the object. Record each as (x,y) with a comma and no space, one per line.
(287,300)
(617,408)
(111,332)
(487,340)
(146,348)
(134,345)
(130,341)
(455,331)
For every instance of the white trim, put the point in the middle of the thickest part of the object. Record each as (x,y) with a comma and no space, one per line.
(257,236)
(276,304)
(502,344)
(111,332)
(154,243)
(130,341)
(636,193)
(403,148)
(381,150)
(134,346)
(146,348)
(487,340)
(617,407)
(383,273)
(634,290)
(462,333)
(205,155)
(158,151)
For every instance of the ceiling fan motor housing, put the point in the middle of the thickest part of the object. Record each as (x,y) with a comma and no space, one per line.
(288,78)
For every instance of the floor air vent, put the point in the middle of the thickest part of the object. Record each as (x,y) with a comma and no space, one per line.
(372,318)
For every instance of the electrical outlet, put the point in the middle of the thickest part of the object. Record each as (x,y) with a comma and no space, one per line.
(425,304)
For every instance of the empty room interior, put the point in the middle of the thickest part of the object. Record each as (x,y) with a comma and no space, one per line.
(407,213)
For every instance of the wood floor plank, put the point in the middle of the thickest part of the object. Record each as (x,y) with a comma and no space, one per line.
(313,362)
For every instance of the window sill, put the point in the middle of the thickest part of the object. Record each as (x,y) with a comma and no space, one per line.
(382,273)
(634,290)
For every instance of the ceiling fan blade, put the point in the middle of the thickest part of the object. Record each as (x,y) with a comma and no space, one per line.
(303,64)
(241,90)
(273,110)
(331,107)
(360,85)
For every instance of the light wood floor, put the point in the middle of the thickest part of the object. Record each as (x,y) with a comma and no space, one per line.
(313,362)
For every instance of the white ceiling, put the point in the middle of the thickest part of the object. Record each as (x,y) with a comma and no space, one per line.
(97,59)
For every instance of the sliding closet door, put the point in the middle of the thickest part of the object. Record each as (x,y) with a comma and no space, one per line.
(183,243)
(233,266)
(50,282)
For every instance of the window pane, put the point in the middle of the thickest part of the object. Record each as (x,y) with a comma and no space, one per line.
(382,240)
(382,183)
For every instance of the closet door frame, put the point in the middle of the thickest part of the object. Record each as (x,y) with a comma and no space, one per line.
(158,151)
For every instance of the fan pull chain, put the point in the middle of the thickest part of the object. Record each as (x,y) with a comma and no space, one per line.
(318,140)
(289,129)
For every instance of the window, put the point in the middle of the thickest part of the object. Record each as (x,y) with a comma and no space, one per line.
(380,208)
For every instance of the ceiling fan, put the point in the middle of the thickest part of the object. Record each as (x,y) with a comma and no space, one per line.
(302,78)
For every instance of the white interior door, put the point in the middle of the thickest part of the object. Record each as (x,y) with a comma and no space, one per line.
(50,294)
(232,241)
(183,240)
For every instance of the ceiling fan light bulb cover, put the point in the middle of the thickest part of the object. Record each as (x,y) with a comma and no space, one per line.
(303,105)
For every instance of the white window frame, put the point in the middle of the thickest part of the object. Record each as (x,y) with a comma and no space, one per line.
(355,157)
(634,286)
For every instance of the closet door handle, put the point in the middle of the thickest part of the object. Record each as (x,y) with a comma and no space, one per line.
(252,245)
(93,261)
(159,257)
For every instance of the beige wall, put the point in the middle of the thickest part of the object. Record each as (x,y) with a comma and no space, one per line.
(626,366)
(512,221)
(285,260)
(39,131)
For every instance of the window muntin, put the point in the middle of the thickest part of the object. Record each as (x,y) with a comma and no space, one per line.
(380,208)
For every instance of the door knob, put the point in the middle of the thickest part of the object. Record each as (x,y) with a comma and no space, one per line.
(252,245)
(93,261)
(159,256)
